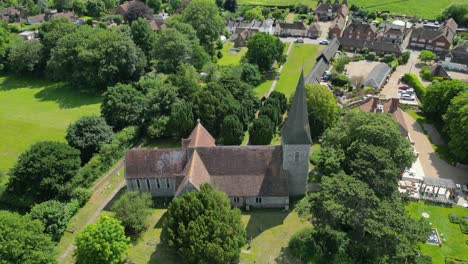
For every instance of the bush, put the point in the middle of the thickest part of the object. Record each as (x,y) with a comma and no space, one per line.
(393,64)
(358,57)
(387,58)
(454,218)
(413,81)
(403,59)
(340,80)
(464,225)
(81,195)
(372,56)
(425,73)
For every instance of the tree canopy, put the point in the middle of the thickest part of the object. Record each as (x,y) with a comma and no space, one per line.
(172,49)
(204,17)
(456,120)
(104,242)
(426,56)
(132,210)
(458,12)
(322,109)
(87,134)
(232,131)
(4,39)
(137,9)
(261,131)
(369,147)
(95,58)
(439,95)
(54,215)
(264,49)
(43,170)
(202,227)
(27,58)
(122,105)
(23,240)
(51,31)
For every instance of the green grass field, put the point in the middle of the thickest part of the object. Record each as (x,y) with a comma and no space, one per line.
(33,110)
(455,245)
(420,8)
(231,58)
(301,55)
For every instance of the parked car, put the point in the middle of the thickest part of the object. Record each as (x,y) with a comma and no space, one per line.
(299,40)
(436,23)
(324,42)
(410,91)
(425,21)
(315,36)
(407,97)
(404,87)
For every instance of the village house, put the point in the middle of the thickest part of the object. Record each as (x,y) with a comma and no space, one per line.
(392,33)
(41,18)
(337,27)
(156,25)
(314,30)
(359,30)
(438,70)
(295,29)
(239,25)
(252,176)
(328,11)
(323,63)
(29,35)
(456,59)
(121,9)
(241,36)
(13,14)
(390,106)
(434,39)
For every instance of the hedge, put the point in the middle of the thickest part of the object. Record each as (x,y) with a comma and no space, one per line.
(413,81)
(101,162)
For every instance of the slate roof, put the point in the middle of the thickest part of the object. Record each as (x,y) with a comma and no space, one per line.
(377,46)
(316,73)
(36,19)
(458,54)
(329,52)
(359,28)
(297,25)
(338,23)
(378,75)
(296,130)
(439,71)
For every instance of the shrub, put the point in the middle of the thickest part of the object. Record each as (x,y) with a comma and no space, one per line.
(387,58)
(358,57)
(454,218)
(413,81)
(301,244)
(464,225)
(372,56)
(403,59)
(81,195)
(393,64)
(425,73)
(340,80)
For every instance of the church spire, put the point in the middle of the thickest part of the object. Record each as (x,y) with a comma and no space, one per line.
(296,130)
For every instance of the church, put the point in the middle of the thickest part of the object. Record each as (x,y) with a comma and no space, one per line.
(252,176)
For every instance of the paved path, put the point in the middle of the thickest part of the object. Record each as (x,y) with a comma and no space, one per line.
(272,87)
(96,214)
(432,164)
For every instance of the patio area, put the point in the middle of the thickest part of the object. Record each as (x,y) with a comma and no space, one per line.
(439,190)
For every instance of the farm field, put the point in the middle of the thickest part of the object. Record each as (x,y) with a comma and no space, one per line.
(301,55)
(455,245)
(34,110)
(420,8)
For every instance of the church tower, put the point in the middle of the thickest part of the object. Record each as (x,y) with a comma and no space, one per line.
(296,141)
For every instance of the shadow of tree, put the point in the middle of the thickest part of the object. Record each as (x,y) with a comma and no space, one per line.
(66,96)
(12,82)
(285,257)
(263,219)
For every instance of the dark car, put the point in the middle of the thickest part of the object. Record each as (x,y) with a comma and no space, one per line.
(299,40)
(314,36)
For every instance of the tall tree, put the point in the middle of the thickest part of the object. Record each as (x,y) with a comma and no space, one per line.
(283,101)
(232,132)
(456,120)
(143,36)
(272,112)
(181,121)
(4,39)
(172,49)
(54,215)
(122,105)
(439,95)
(251,74)
(44,169)
(27,58)
(202,227)
(231,5)
(458,13)
(160,101)
(52,31)
(204,17)
(102,243)
(155,5)
(23,240)
(263,50)
(322,108)
(137,9)
(132,210)
(95,58)
(261,131)
(368,147)
(95,8)
(88,134)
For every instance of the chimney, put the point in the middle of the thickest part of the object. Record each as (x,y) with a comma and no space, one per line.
(394,104)
(375,102)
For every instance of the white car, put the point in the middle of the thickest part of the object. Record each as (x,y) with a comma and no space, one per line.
(407,97)
(324,42)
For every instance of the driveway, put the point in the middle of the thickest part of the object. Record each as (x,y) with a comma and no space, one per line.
(359,70)
(433,166)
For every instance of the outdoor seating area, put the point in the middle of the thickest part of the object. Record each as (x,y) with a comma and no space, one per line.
(438,190)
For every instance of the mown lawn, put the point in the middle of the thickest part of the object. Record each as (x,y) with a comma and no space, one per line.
(33,110)
(230,58)
(454,245)
(311,3)
(301,55)
(269,231)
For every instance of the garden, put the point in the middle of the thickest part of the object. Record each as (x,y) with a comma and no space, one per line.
(453,236)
